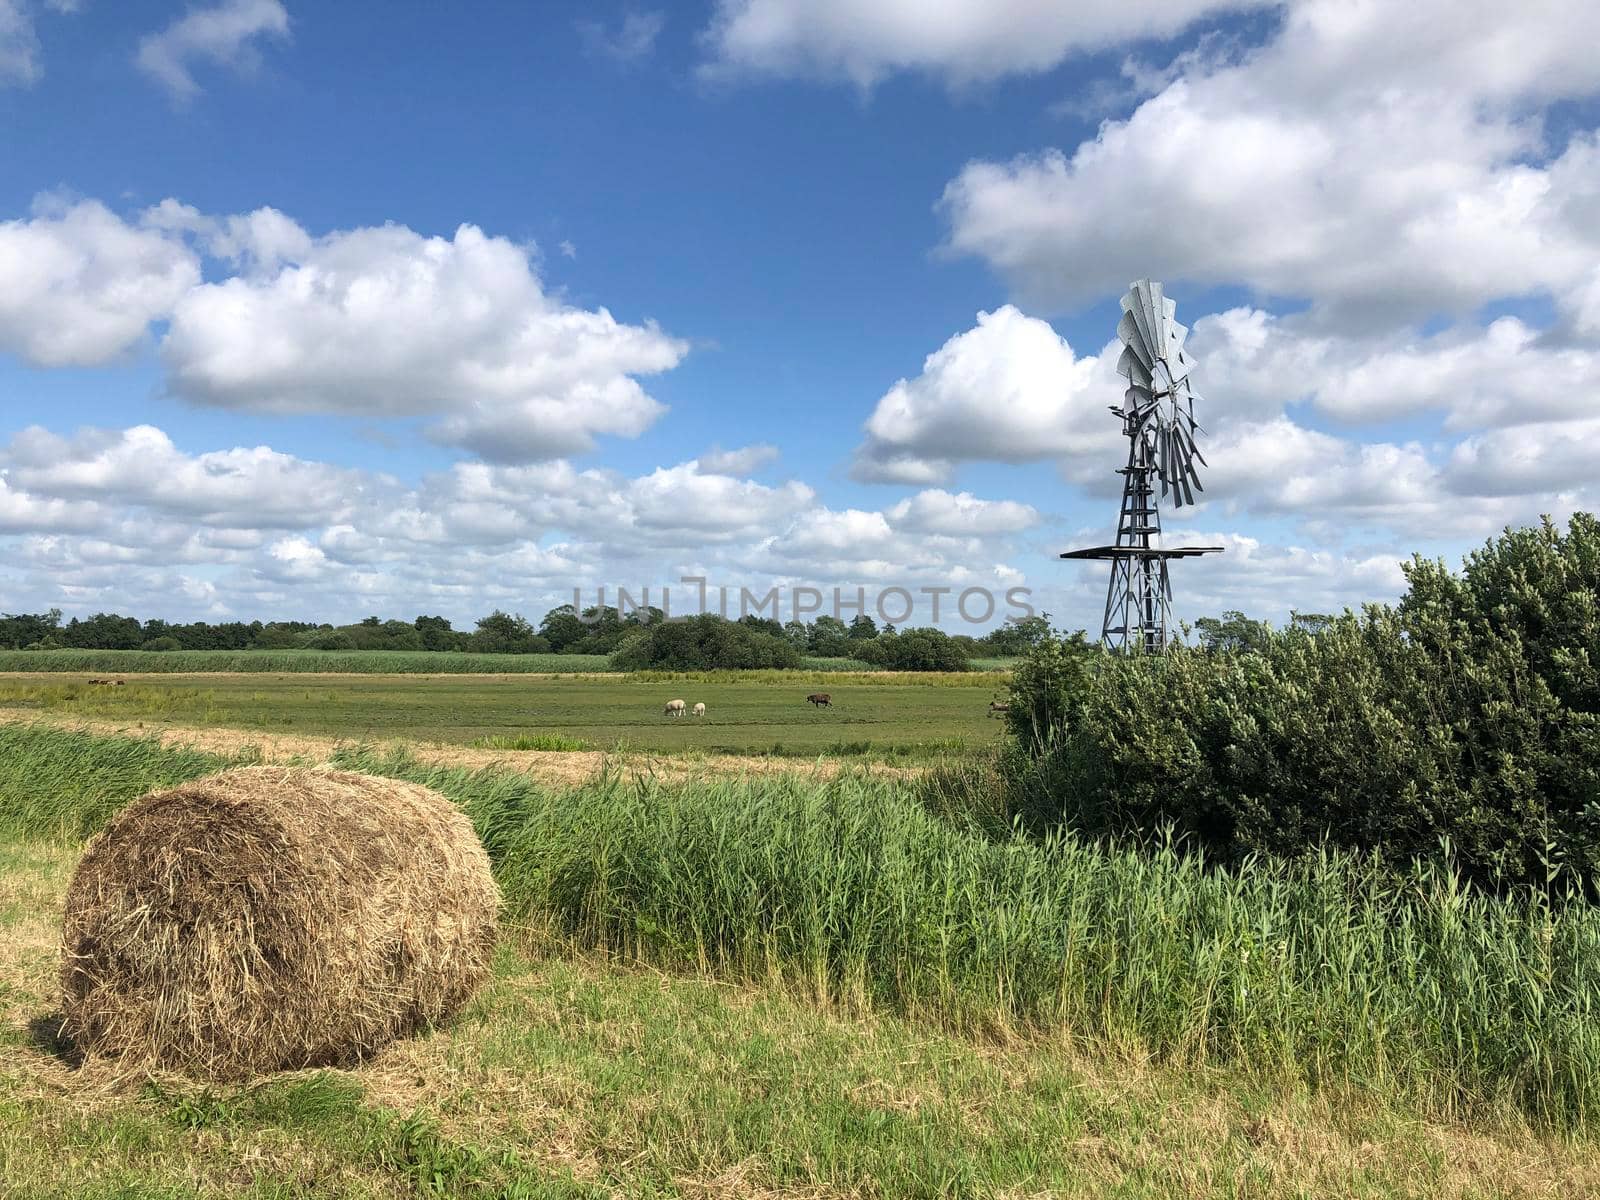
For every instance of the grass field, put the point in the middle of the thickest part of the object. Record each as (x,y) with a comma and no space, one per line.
(755,712)
(364,662)
(784,988)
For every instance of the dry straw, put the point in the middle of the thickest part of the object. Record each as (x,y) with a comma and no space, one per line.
(272,918)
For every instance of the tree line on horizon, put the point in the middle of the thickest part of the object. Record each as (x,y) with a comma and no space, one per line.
(706,640)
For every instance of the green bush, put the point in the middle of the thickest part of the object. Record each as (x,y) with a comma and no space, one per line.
(913,650)
(162,643)
(705,642)
(1467,716)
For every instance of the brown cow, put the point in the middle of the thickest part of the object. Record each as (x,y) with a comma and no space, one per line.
(820,699)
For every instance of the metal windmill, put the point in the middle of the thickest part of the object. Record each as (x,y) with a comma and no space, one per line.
(1157,413)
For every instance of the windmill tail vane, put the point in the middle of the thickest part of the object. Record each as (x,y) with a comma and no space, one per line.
(1157,414)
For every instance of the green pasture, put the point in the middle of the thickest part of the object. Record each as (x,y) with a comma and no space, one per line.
(758,712)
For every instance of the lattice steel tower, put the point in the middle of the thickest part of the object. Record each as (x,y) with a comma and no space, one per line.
(1157,414)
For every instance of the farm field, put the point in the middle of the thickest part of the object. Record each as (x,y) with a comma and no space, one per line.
(650,1047)
(906,716)
(366,662)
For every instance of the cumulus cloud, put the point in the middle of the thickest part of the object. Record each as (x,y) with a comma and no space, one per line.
(961,41)
(1377,161)
(223,34)
(960,514)
(79,285)
(1506,374)
(1010,389)
(384,322)
(254,530)
(140,466)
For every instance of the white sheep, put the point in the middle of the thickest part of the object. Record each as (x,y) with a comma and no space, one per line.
(699,710)
(674,708)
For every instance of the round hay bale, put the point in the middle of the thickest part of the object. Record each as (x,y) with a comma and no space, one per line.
(271,918)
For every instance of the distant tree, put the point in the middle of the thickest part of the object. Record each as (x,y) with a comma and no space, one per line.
(103,631)
(562,628)
(24,629)
(436,633)
(1233,633)
(798,634)
(926,649)
(830,638)
(503,633)
(1311,622)
(763,624)
(1019,635)
(703,642)
(863,628)
(162,643)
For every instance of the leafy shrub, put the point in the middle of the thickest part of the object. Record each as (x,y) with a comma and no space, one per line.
(1468,714)
(701,643)
(913,650)
(162,643)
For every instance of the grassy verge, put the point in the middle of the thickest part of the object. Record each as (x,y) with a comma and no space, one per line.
(850,893)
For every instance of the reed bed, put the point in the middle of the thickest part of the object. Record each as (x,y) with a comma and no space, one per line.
(1328,971)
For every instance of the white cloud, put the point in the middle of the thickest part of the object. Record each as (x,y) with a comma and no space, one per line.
(261,533)
(1537,459)
(80,286)
(744,461)
(1378,161)
(632,40)
(384,322)
(960,514)
(1010,389)
(259,488)
(19,45)
(223,33)
(1254,363)
(963,41)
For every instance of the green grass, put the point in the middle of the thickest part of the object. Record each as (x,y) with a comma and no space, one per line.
(361,662)
(908,717)
(567,1079)
(850,892)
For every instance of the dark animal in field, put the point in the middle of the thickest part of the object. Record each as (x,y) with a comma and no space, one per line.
(820,699)
(109,682)
(997,706)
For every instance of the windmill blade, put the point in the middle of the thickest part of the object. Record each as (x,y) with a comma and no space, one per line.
(1133,338)
(1132,368)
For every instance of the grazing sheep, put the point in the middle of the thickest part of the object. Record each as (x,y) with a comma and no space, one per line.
(699,710)
(820,699)
(674,708)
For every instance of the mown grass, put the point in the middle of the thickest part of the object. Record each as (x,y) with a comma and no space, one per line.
(574,1079)
(851,892)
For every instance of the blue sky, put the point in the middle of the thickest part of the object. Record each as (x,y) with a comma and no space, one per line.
(249,366)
